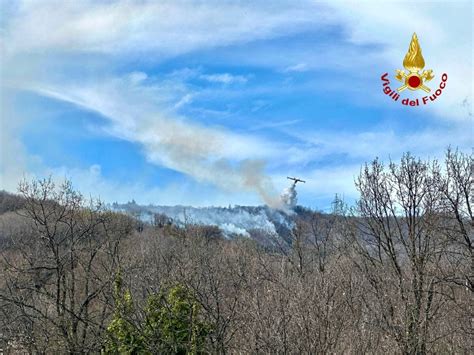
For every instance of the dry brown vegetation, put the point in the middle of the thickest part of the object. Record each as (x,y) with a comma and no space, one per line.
(392,275)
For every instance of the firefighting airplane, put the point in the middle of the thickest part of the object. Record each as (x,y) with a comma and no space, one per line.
(296,180)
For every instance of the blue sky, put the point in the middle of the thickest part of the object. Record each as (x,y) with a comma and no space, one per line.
(215,102)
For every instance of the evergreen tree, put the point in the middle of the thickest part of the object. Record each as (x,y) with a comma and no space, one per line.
(123,336)
(171,325)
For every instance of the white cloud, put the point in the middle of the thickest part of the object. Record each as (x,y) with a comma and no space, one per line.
(137,77)
(186,99)
(165,27)
(386,144)
(225,78)
(15,162)
(300,67)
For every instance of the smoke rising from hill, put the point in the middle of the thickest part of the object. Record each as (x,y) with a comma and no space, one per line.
(237,220)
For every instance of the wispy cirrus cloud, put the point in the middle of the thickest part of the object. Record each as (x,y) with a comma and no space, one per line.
(224,78)
(228,160)
(165,27)
(389,143)
(300,67)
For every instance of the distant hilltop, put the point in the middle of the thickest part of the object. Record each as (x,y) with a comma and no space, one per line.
(233,221)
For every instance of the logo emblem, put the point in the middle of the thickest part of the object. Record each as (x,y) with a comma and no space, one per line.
(414,63)
(413,78)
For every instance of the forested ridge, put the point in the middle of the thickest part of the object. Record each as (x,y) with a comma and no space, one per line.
(391,274)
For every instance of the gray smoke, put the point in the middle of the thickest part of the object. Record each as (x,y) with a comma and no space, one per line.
(289,196)
(237,220)
(230,161)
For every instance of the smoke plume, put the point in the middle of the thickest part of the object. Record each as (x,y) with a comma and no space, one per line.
(289,196)
(229,161)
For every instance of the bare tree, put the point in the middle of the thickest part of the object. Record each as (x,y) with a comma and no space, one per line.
(400,245)
(457,187)
(58,279)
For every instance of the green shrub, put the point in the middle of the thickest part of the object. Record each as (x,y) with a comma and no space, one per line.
(172,324)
